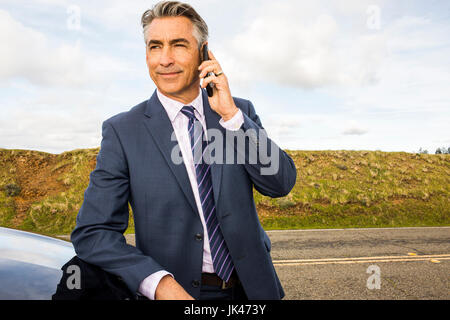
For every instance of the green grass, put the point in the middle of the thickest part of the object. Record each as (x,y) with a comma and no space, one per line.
(7,176)
(413,213)
(334,189)
(342,189)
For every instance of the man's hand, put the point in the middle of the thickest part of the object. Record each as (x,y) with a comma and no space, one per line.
(221,101)
(169,289)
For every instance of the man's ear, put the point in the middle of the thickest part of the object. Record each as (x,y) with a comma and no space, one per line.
(200,54)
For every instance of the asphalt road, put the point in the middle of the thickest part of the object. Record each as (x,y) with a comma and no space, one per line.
(389,263)
(412,263)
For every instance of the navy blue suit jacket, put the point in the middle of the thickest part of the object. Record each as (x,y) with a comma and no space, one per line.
(134,166)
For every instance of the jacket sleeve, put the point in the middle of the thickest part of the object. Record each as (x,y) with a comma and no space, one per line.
(103,217)
(271,170)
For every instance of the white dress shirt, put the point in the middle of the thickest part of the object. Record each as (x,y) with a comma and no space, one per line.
(180,126)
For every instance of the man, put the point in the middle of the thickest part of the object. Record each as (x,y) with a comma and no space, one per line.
(197,230)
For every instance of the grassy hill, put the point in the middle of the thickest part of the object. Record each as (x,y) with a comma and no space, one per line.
(43,192)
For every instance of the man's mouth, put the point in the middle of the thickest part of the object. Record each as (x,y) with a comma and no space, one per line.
(169,74)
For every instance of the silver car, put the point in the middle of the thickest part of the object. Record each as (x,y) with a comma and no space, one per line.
(30,264)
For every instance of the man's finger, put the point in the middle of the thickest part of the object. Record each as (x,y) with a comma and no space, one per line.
(206,63)
(210,68)
(209,79)
(211,56)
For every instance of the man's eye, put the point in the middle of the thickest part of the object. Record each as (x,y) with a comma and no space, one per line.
(153,47)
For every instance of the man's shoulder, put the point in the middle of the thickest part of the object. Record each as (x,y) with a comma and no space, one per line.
(127,117)
(243,104)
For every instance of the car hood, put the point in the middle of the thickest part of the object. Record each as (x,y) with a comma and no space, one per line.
(30,264)
(34,248)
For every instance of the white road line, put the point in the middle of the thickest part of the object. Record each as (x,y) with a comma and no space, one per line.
(354,229)
(298,262)
(350,262)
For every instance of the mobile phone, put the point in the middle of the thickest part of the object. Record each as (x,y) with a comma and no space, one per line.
(210,86)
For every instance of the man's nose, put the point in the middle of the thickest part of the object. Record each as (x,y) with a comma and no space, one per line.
(166,58)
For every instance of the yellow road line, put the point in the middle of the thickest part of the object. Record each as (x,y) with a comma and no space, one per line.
(360,260)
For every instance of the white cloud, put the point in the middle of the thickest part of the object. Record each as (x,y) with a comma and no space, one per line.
(281,128)
(60,120)
(50,131)
(303,45)
(304,57)
(357,131)
(414,76)
(29,54)
(409,33)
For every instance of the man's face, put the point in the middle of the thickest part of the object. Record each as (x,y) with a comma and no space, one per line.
(173,57)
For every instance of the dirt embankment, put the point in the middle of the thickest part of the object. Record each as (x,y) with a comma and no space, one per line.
(333,189)
(37,177)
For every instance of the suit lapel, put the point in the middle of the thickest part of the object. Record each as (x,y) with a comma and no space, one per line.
(160,128)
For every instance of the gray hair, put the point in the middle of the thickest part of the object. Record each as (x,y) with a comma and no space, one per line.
(176,9)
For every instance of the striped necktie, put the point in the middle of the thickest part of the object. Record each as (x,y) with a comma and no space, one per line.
(222,262)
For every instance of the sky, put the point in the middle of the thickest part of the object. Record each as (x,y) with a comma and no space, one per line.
(322,75)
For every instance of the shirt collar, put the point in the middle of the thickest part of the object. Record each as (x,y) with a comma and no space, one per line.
(173,107)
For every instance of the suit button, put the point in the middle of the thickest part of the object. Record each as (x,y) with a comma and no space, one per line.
(199,237)
(195,283)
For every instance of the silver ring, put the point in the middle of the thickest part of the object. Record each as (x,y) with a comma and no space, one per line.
(218,73)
